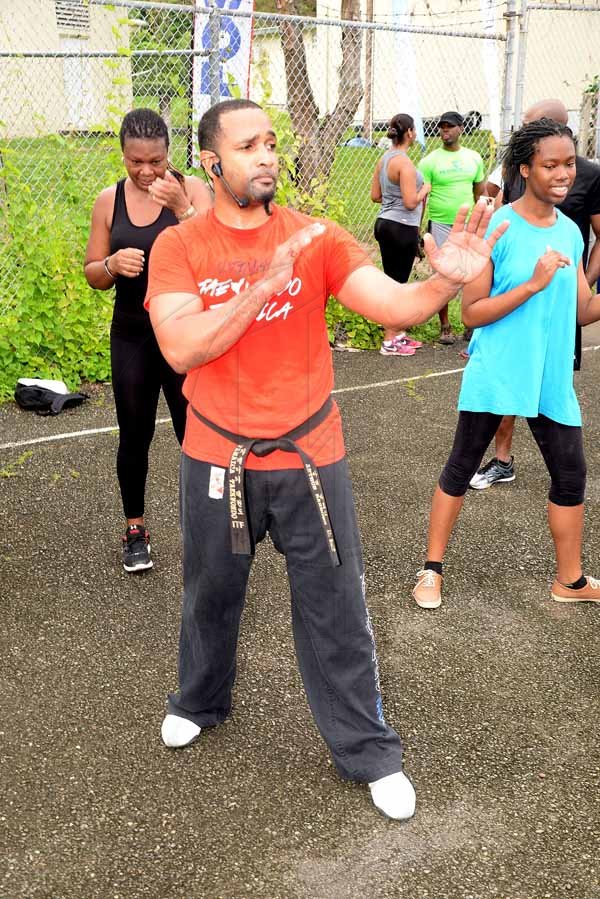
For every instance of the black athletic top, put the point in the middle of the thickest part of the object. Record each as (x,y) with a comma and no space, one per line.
(130,292)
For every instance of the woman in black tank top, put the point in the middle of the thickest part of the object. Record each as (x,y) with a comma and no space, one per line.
(126,220)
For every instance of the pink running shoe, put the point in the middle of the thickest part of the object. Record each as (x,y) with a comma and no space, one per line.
(408,341)
(396,348)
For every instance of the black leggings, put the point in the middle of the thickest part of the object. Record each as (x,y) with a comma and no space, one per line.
(139,370)
(399,245)
(560,445)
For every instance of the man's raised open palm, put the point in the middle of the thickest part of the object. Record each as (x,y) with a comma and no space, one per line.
(464,255)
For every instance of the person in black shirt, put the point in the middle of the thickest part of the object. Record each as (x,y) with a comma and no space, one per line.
(582,205)
(126,220)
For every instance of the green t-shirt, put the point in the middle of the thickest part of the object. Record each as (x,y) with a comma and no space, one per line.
(452,175)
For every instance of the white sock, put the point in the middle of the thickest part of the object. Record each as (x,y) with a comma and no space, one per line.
(177,732)
(394,795)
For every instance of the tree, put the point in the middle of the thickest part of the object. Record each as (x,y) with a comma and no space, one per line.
(305,7)
(319,137)
(161,76)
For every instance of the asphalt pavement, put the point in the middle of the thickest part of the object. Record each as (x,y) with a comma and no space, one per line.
(495,694)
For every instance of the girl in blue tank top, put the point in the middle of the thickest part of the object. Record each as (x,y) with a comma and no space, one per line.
(524,307)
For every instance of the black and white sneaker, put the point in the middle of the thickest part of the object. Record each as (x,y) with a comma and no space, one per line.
(136,548)
(494,472)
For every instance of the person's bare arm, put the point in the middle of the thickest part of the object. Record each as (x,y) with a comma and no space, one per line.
(407,179)
(201,197)
(479,189)
(188,335)
(461,259)
(128,262)
(588,304)
(491,189)
(479,308)
(376,184)
(592,271)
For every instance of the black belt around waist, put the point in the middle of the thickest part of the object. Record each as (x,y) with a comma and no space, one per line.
(261,446)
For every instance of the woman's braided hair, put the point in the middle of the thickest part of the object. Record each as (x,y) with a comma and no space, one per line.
(524,142)
(143,124)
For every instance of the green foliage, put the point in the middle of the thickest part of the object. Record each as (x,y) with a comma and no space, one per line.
(163,76)
(350,328)
(52,324)
(11,469)
(430,331)
(302,7)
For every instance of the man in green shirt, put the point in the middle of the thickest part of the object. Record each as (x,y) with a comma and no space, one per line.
(457,176)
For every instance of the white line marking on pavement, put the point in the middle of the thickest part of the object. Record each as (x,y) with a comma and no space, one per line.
(88,433)
(431,374)
(161,421)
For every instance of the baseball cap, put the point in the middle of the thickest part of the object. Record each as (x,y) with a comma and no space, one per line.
(452,118)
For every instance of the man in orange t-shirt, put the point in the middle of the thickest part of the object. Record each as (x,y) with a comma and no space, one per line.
(237,300)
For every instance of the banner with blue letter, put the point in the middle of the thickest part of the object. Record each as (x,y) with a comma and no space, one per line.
(222,69)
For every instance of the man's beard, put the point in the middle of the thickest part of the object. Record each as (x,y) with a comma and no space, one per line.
(261,195)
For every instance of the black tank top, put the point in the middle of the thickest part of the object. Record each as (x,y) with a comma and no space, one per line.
(130,292)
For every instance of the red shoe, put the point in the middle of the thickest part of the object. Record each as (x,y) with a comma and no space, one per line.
(408,341)
(396,348)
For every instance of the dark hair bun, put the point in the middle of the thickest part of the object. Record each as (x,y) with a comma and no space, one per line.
(392,133)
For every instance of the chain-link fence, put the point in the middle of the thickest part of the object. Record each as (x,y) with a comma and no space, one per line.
(558,57)
(72,72)
(72,68)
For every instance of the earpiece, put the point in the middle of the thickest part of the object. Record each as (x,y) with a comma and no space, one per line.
(243,202)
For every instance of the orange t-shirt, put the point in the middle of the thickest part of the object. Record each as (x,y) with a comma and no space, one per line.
(279,372)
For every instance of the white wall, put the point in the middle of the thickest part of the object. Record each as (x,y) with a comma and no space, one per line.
(43,96)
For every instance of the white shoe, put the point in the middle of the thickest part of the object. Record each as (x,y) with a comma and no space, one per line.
(177,732)
(394,796)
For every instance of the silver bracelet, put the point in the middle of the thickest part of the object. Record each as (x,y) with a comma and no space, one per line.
(107,270)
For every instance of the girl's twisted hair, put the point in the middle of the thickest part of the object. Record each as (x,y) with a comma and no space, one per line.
(523,143)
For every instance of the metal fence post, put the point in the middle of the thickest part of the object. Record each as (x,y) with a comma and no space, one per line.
(506,119)
(214,69)
(189,148)
(521,60)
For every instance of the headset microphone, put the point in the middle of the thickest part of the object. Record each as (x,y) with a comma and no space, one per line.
(243,202)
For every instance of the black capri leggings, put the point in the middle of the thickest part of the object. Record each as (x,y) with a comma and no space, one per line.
(560,445)
(139,370)
(398,245)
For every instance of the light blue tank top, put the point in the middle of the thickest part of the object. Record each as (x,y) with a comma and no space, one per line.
(392,205)
(522,364)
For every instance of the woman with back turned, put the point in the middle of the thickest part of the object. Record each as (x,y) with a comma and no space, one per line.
(399,187)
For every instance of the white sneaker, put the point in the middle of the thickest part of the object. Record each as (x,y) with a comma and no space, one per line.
(177,732)
(394,796)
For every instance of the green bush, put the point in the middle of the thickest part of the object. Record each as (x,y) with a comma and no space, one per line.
(52,324)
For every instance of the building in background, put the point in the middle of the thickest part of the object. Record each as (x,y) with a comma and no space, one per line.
(46,94)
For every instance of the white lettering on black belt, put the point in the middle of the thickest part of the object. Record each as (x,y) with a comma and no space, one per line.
(240,536)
